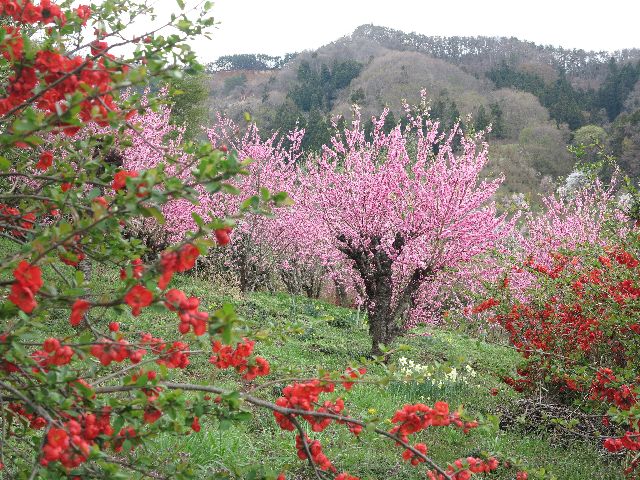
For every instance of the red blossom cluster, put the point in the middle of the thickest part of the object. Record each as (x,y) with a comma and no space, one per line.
(72,254)
(188,312)
(71,444)
(108,351)
(225,356)
(412,419)
(53,353)
(137,267)
(176,261)
(51,75)
(11,216)
(346,476)
(410,456)
(27,12)
(28,280)
(301,396)
(174,356)
(318,457)
(120,182)
(36,422)
(486,305)
(352,373)
(127,433)
(606,387)
(578,332)
(306,396)
(465,468)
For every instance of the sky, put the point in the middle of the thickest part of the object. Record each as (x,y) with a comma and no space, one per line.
(276,27)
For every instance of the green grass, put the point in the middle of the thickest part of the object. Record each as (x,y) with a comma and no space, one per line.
(309,335)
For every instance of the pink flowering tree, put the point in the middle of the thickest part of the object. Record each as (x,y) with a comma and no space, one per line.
(590,215)
(259,243)
(569,220)
(404,211)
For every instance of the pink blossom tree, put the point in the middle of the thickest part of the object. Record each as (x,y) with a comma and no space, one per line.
(569,219)
(260,242)
(405,211)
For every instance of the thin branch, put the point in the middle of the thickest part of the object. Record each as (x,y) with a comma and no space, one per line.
(284,411)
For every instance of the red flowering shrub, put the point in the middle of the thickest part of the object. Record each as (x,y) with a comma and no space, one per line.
(578,330)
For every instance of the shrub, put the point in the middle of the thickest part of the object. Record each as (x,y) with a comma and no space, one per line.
(577,326)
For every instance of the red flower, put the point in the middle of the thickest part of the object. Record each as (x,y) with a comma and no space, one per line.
(222,236)
(120,179)
(78,310)
(84,12)
(169,264)
(188,256)
(65,186)
(22,297)
(151,415)
(346,476)
(137,298)
(28,275)
(13,43)
(28,220)
(137,269)
(486,305)
(195,425)
(101,201)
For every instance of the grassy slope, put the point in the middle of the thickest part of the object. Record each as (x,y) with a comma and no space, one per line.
(332,337)
(308,335)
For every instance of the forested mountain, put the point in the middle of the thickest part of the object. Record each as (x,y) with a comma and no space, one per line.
(538,99)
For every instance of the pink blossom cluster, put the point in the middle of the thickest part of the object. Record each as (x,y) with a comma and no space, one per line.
(410,183)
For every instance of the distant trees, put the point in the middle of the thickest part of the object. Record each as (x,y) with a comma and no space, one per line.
(317,89)
(249,61)
(233,82)
(616,88)
(310,99)
(567,104)
(190,99)
(481,54)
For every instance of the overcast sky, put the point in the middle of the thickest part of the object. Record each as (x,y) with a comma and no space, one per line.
(279,26)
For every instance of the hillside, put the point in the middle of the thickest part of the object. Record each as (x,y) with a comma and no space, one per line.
(536,97)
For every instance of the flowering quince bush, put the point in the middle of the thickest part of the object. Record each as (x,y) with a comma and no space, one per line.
(577,327)
(84,403)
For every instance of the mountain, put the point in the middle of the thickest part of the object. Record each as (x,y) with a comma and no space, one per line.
(538,98)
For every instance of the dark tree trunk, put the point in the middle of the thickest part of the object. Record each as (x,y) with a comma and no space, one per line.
(386,312)
(341,293)
(374,265)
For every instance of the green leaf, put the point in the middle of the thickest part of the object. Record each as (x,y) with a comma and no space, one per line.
(155,213)
(198,219)
(4,164)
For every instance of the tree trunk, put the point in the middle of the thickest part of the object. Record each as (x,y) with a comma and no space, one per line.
(341,293)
